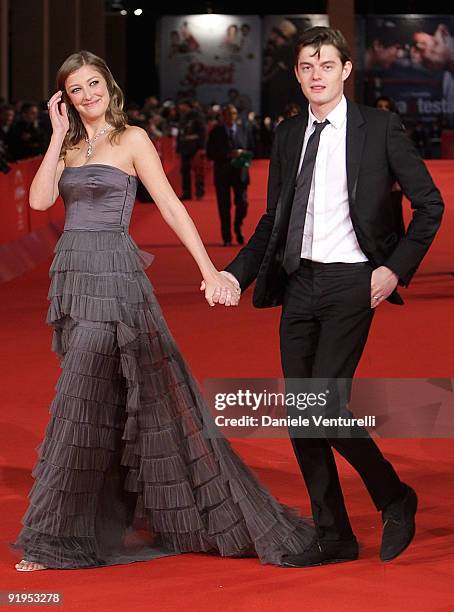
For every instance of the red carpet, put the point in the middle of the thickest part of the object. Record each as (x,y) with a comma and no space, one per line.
(412,341)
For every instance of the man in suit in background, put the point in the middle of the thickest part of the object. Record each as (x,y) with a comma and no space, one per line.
(227,141)
(330,249)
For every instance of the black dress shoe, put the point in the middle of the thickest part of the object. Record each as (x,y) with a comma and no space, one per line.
(323,552)
(398,525)
(227,243)
(240,238)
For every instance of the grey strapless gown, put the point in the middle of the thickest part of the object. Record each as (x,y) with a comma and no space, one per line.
(124,472)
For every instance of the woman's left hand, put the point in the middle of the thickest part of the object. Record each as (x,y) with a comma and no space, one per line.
(219,289)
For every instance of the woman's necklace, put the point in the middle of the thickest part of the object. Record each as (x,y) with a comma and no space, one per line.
(91,141)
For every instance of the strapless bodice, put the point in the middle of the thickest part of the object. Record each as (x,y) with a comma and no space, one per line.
(97,197)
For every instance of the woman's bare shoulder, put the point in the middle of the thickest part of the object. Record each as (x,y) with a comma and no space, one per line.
(137,143)
(134,134)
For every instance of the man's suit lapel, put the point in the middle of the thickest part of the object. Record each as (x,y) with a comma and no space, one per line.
(295,145)
(356,136)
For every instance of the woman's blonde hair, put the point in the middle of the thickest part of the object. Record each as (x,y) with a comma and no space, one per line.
(114,113)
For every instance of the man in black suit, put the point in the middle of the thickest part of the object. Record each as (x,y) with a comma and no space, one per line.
(227,141)
(330,248)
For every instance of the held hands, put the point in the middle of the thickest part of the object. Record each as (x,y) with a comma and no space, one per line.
(383,283)
(58,115)
(221,288)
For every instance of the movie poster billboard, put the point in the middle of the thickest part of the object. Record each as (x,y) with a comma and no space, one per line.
(410,58)
(208,56)
(280,33)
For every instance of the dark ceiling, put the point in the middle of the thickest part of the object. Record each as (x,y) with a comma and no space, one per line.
(152,8)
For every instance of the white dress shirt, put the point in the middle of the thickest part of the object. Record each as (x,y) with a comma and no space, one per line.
(328,231)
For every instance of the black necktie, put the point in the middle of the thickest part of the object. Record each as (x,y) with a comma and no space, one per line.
(292,254)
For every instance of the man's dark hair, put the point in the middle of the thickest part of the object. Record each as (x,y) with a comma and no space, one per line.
(321,35)
(390,101)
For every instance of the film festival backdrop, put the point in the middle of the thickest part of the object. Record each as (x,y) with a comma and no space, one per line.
(208,56)
(407,57)
(410,58)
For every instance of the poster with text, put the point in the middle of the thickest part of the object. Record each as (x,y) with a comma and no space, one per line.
(214,58)
(410,59)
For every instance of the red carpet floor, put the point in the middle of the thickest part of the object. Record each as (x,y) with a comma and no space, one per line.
(412,341)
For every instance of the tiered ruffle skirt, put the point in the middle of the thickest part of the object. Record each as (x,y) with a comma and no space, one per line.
(125,453)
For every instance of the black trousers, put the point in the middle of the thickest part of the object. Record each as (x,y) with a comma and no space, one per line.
(326,317)
(231,180)
(186,169)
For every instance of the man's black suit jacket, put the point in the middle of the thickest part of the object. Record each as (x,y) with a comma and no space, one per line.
(378,153)
(218,149)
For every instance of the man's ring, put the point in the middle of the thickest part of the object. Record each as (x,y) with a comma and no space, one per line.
(376,297)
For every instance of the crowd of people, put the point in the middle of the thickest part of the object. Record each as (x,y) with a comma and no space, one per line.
(184,118)
(25,127)
(202,132)
(25,132)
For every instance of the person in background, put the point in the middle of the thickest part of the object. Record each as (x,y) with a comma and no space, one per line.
(241,101)
(213,116)
(151,105)
(169,116)
(190,140)
(253,126)
(153,126)
(6,121)
(26,138)
(386,103)
(291,110)
(226,142)
(266,136)
(134,114)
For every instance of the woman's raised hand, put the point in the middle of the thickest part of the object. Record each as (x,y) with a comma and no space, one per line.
(220,289)
(58,114)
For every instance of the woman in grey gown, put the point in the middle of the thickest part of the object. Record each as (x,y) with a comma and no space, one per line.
(124,453)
